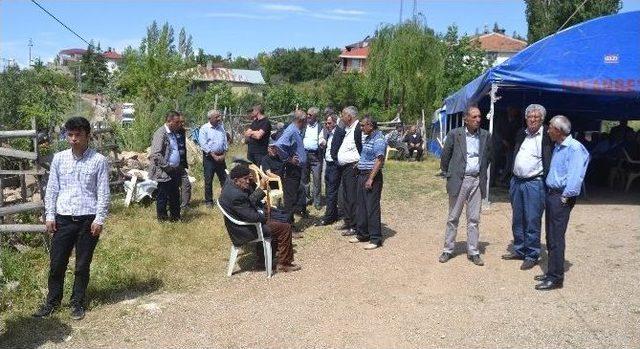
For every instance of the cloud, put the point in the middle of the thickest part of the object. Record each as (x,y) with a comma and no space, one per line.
(285,8)
(348,12)
(237,15)
(335,17)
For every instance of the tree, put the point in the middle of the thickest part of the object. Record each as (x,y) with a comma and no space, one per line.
(464,60)
(545,17)
(405,68)
(184,45)
(93,67)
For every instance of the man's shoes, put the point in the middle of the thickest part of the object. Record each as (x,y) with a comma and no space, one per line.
(371,246)
(548,285)
(77,312)
(297,235)
(344,227)
(287,268)
(445,257)
(528,264)
(541,277)
(512,257)
(349,232)
(356,239)
(323,223)
(476,260)
(45,310)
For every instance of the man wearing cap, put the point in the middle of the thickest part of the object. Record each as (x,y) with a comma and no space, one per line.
(240,200)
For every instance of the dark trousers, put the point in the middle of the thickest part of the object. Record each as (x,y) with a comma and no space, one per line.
(168,193)
(348,178)
(418,151)
(368,209)
(312,175)
(331,184)
(256,157)
(527,204)
(281,243)
(556,221)
(211,168)
(71,232)
(291,183)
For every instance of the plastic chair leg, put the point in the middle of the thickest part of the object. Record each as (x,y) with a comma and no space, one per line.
(268,258)
(232,259)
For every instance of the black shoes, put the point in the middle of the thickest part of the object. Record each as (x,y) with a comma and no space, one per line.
(77,312)
(528,264)
(45,310)
(541,277)
(323,223)
(511,257)
(344,227)
(548,285)
(349,232)
(476,260)
(445,257)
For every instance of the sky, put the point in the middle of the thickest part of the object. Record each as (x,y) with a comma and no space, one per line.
(243,28)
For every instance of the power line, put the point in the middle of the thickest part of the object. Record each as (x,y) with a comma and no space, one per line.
(59,21)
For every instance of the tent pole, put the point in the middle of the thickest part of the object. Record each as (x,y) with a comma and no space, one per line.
(494,99)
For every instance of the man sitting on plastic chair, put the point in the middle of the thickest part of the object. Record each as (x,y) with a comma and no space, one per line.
(242,202)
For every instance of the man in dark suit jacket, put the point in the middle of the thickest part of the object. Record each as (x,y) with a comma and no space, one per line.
(530,165)
(241,202)
(465,158)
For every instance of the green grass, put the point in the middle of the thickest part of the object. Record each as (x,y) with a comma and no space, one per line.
(137,255)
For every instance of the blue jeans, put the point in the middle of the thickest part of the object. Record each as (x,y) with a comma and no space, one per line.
(527,204)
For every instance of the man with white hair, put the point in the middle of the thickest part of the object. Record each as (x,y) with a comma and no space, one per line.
(347,145)
(532,156)
(213,142)
(312,173)
(564,182)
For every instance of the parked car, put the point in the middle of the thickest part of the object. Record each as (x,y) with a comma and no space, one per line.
(127,114)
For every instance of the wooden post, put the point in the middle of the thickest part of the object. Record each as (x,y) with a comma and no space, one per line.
(23,182)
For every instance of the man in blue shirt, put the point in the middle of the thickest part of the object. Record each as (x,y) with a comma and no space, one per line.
(564,181)
(312,173)
(291,150)
(369,185)
(213,142)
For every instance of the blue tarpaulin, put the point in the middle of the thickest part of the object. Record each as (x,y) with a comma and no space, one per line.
(590,71)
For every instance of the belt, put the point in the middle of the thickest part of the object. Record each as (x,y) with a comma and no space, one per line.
(77,218)
(526,179)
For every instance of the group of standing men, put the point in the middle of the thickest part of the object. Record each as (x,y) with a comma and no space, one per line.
(548,169)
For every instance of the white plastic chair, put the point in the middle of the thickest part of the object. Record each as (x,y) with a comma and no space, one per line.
(632,175)
(266,244)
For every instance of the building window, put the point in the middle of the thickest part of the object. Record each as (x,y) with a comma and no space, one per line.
(356,64)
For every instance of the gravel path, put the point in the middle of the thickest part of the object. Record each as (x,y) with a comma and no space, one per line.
(399,296)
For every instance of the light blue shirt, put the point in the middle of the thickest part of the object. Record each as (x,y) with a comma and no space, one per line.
(213,139)
(290,144)
(568,166)
(473,152)
(78,187)
(312,137)
(174,150)
(373,147)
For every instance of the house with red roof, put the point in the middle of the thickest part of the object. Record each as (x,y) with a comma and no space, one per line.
(498,46)
(354,57)
(75,55)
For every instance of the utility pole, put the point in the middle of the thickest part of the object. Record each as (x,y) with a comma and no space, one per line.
(30,46)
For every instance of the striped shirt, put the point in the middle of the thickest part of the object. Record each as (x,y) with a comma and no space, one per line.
(78,187)
(373,147)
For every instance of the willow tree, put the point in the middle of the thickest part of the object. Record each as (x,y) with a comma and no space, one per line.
(404,68)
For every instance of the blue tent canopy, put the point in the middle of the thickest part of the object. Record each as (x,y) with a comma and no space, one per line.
(590,71)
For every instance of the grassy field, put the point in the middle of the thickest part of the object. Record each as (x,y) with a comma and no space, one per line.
(138,255)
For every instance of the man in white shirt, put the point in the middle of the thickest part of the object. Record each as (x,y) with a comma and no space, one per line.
(311,136)
(532,157)
(348,143)
(331,178)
